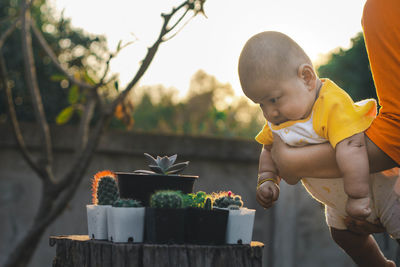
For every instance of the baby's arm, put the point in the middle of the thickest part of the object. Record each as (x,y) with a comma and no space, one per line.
(267,183)
(352,159)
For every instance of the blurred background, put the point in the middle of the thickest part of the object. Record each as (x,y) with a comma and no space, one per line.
(188,102)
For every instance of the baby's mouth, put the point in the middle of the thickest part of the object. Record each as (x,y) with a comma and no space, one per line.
(279,122)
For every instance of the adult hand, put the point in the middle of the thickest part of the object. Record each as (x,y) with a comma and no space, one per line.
(363,227)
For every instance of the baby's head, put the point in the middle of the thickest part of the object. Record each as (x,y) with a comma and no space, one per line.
(278,75)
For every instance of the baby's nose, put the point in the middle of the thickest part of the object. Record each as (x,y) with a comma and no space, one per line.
(275,113)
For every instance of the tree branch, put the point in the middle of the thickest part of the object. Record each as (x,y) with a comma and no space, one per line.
(54,59)
(14,120)
(84,125)
(8,32)
(31,80)
(181,28)
(149,56)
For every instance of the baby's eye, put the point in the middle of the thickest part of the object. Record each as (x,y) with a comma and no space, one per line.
(273,100)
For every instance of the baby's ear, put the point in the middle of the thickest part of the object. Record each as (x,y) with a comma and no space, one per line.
(307,73)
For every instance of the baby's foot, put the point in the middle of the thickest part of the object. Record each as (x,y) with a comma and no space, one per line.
(358,207)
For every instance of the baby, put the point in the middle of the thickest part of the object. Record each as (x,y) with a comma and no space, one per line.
(302,109)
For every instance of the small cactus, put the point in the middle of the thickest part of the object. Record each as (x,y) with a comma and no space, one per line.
(166,199)
(163,165)
(198,200)
(208,205)
(127,203)
(227,199)
(104,188)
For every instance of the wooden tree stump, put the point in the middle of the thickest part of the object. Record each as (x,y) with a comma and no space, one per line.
(80,251)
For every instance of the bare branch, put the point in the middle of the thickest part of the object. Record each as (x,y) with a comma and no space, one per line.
(84,125)
(178,21)
(178,31)
(148,58)
(14,120)
(31,80)
(80,161)
(8,32)
(54,59)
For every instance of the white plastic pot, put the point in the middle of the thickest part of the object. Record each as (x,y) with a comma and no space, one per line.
(97,221)
(240,226)
(126,224)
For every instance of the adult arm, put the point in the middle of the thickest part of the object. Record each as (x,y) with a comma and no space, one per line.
(319,161)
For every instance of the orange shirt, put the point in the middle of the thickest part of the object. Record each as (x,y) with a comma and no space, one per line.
(381,23)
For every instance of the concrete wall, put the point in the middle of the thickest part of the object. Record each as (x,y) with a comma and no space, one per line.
(294,231)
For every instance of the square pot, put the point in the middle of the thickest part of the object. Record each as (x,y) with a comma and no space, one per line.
(97,221)
(164,226)
(205,227)
(126,224)
(240,226)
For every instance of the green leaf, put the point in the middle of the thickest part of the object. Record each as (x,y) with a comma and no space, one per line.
(73,95)
(89,79)
(65,115)
(57,77)
(116,85)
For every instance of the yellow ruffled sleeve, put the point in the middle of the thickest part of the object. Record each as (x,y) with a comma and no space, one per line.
(265,135)
(337,117)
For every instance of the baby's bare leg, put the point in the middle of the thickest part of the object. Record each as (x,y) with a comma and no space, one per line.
(352,159)
(363,249)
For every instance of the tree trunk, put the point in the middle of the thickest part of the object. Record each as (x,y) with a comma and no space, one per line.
(81,251)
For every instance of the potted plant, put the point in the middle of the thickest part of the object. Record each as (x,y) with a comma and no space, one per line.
(240,221)
(204,225)
(163,175)
(164,219)
(126,221)
(104,194)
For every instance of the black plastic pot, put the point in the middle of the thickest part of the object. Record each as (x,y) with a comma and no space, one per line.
(205,227)
(142,186)
(164,226)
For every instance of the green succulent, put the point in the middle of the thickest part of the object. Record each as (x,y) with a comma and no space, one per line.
(107,191)
(166,199)
(198,200)
(227,199)
(163,165)
(127,203)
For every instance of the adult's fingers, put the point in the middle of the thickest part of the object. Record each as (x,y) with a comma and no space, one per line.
(363,227)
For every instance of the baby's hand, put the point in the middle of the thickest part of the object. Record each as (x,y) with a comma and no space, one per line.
(267,194)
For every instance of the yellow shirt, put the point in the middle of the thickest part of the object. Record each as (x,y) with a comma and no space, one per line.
(334,117)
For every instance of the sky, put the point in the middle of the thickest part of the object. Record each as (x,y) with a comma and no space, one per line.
(213,43)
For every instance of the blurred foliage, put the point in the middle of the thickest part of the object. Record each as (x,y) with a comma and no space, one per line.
(350,70)
(78,51)
(209,108)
